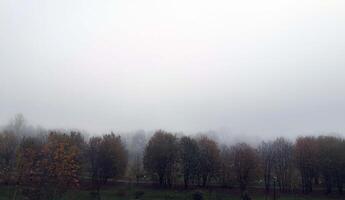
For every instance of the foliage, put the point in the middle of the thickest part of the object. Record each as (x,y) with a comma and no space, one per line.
(209,159)
(160,157)
(189,158)
(46,165)
(47,168)
(8,147)
(108,159)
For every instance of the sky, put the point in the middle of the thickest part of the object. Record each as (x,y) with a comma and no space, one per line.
(249,67)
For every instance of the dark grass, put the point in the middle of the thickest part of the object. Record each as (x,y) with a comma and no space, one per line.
(127,192)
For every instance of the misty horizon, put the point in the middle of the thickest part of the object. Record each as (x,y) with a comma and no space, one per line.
(256,69)
(22,126)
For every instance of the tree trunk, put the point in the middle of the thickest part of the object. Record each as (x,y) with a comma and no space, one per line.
(186,179)
(204,180)
(161,179)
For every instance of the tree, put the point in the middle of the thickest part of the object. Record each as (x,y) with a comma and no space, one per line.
(331,162)
(94,153)
(340,165)
(62,162)
(306,161)
(209,159)
(244,161)
(189,155)
(8,147)
(136,151)
(47,168)
(266,155)
(283,163)
(225,172)
(108,159)
(17,124)
(31,176)
(161,155)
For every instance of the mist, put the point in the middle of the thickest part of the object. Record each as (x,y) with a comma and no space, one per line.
(248,69)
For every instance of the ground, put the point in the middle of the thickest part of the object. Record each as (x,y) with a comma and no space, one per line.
(129,192)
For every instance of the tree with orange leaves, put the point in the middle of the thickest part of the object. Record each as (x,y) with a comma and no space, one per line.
(47,168)
(61,159)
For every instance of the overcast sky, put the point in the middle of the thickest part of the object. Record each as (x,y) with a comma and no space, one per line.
(257,67)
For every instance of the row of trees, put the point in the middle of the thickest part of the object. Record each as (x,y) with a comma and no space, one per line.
(310,161)
(44,165)
(198,161)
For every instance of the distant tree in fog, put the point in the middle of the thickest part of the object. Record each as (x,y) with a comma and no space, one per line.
(17,124)
(136,152)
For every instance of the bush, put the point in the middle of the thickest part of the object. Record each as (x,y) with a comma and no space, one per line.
(94,195)
(121,193)
(138,194)
(198,195)
(245,196)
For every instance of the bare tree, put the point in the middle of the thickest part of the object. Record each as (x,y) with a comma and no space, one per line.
(266,154)
(283,163)
(244,162)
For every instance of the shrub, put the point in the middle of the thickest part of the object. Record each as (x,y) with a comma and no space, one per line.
(139,194)
(121,193)
(198,195)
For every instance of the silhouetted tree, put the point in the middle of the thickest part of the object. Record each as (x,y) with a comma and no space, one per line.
(245,161)
(8,146)
(209,159)
(306,161)
(266,154)
(189,155)
(108,159)
(331,162)
(226,170)
(283,163)
(161,155)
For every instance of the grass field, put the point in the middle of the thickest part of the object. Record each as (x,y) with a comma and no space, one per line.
(128,193)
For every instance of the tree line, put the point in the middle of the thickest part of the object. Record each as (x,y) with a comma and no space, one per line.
(307,162)
(48,164)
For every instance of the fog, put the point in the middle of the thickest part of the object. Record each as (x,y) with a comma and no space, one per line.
(251,69)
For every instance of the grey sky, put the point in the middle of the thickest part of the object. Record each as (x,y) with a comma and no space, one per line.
(257,67)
